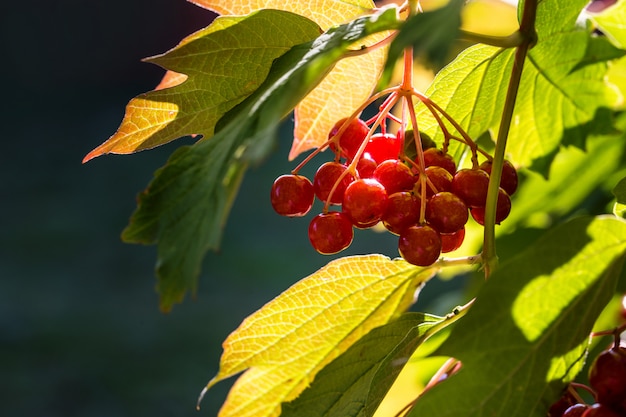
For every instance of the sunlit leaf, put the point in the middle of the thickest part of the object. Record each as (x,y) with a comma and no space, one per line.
(563,90)
(343,387)
(211,72)
(289,340)
(612,22)
(326,13)
(185,206)
(341,93)
(526,335)
(347,86)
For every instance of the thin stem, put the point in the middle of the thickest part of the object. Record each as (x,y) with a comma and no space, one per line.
(511,41)
(527,31)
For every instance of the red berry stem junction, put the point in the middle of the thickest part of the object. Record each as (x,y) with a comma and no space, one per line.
(401,181)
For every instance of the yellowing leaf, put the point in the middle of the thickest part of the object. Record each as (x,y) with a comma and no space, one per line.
(325,13)
(285,343)
(345,88)
(211,71)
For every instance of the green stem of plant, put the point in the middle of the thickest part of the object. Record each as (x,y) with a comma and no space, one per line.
(513,40)
(529,36)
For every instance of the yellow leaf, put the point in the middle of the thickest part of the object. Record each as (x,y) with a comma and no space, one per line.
(325,13)
(341,93)
(346,87)
(285,343)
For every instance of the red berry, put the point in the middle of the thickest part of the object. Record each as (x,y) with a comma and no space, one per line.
(292,195)
(601,410)
(576,410)
(351,138)
(471,185)
(394,175)
(563,403)
(325,178)
(403,210)
(440,178)
(452,241)
(503,208)
(420,245)
(508,180)
(366,166)
(382,147)
(364,202)
(446,212)
(607,376)
(437,157)
(330,232)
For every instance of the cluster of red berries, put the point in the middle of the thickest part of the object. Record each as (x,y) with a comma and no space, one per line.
(607,384)
(423,199)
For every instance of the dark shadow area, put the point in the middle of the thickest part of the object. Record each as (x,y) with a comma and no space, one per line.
(80,330)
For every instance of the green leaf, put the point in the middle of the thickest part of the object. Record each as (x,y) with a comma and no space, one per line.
(612,22)
(186,204)
(283,345)
(431,34)
(526,335)
(619,191)
(355,383)
(563,90)
(541,201)
(224,63)
(619,208)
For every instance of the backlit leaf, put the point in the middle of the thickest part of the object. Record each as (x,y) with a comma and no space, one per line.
(211,71)
(289,340)
(612,22)
(348,85)
(355,383)
(326,13)
(562,92)
(185,206)
(526,335)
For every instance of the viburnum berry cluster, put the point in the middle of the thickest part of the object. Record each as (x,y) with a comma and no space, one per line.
(607,385)
(402,181)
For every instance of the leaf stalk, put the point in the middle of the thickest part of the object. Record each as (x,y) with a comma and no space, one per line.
(529,36)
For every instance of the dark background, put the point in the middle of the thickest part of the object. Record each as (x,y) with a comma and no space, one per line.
(80,329)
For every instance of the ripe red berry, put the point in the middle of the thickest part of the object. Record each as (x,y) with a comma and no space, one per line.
(446,212)
(503,209)
(364,202)
(437,157)
(420,245)
(325,178)
(452,241)
(563,403)
(351,138)
(576,410)
(366,166)
(508,180)
(601,410)
(292,195)
(382,147)
(440,178)
(330,232)
(607,376)
(394,175)
(471,185)
(403,211)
